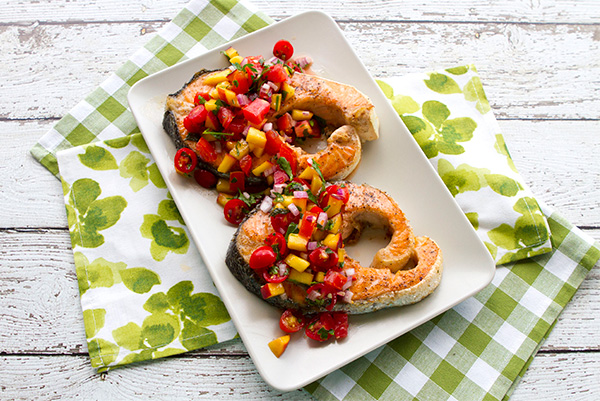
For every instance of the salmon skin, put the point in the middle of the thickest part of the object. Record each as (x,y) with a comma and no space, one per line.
(407,270)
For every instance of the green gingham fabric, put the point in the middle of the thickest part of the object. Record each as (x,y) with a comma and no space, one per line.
(477,350)
(480,349)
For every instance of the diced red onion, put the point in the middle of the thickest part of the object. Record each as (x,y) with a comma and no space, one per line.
(244,61)
(274,60)
(280,177)
(322,218)
(288,139)
(270,170)
(304,61)
(253,96)
(245,131)
(312,245)
(283,268)
(348,296)
(246,195)
(294,209)
(278,188)
(349,272)
(347,284)
(303,255)
(218,147)
(267,127)
(313,295)
(265,91)
(267,204)
(300,195)
(243,100)
(273,86)
(231,68)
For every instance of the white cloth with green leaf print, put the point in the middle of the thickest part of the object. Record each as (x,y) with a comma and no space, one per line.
(449,116)
(145,291)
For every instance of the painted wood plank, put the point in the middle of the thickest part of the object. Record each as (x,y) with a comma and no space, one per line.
(550,377)
(521,78)
(558,159)
(41,312)
(438,10)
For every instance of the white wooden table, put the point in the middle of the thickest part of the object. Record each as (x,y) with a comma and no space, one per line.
(540,64)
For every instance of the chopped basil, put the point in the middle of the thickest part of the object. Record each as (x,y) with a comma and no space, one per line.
(292,229)
(279,210)
(325,334)
(328,225)
(285,166)
(315,165)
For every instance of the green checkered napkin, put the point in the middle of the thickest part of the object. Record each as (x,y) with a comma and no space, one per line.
(477,350)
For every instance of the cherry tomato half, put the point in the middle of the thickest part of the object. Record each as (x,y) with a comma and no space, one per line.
(185,161)
(235,211)
(281,221)
(206,151)
(262,257)
(283,50)
(205,178)
(323,258)
(291,321)
(340,324)
(335,279)
(277,242)
(321,327)
(194,122)
(339,193)
(277,273)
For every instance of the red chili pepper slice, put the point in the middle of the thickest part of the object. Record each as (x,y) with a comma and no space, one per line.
(185,161)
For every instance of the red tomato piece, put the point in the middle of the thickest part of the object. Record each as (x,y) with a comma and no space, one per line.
(236,127)
(285,123)
(277,74)
(253,67)
(291,321)
(323,258)
(315,129)
(206,151)
(303,129)
(256,111)
(274,142)
(335,279)
(338,192)
(340,324)
(321,327)
(194,122)
(225,117)
(240,83)
(237,181)
(287,153)
(307,225)
(235,211)
(325,295)
(278,243)
(283,50)
(205,178)
(202,95)
(185,160)
(281,221)
(262,257)
(277,273)
(246,164)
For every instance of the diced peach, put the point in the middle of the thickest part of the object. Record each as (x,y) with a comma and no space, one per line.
(279,345)
(301,277)
(296,262)
(271,290)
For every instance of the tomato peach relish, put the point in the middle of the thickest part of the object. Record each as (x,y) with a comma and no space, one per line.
(306,213)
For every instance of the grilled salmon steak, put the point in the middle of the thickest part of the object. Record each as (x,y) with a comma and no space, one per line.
(407,270)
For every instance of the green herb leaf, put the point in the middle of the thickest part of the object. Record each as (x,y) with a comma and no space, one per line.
(285,166)
(218,135)
(292,229)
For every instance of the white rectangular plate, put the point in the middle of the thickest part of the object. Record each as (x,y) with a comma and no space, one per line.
(394,163)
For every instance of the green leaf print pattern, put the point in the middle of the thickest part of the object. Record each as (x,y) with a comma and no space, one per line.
(139,280)
(98,273)
(135,166)
(88,215)
(529,231)
(442,83)
(165,238)
(98,158)
(473,92)
(465,178)
(176,314)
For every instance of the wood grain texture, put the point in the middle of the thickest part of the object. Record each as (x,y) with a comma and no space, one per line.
(550,377)
(545,59)
(539,62)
